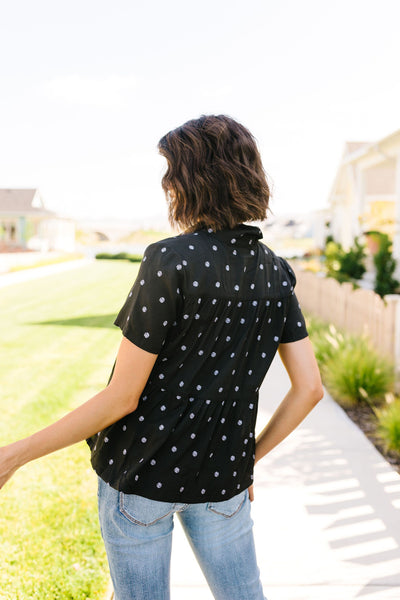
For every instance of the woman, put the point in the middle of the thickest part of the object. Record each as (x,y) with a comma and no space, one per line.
(173,431)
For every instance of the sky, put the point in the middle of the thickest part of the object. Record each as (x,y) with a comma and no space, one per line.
(88,87)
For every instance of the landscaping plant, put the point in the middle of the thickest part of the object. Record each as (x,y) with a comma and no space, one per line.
(385,266)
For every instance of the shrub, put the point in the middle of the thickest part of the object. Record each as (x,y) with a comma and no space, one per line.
(119,256)
(385,266)
(351,370)
(342,265)
(356,373)
(389,425)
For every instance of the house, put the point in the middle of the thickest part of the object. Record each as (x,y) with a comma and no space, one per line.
(26,224)
(365,194)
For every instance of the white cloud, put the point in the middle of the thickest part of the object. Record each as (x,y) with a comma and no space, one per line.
(107,92)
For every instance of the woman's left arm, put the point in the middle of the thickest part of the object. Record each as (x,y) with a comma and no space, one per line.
(121,396)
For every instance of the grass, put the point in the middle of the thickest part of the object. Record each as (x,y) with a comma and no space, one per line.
(57,348)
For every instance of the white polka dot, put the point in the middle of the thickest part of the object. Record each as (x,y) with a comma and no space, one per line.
(275,268)
(136,477)
(203,491)
(261,267)
(181,489)
(299,324)
(223,438)
(228,338)
(285,283)
(163,249)
(221,389)
(179,267)
(279,304)
(162,299)
(181,383)
(163,408)
(194,453)
(159,485)
(263,355)
(200,352)
(185,316)
(198,387)
(236,388)
(183,348)
(176,470)
(143,440)
(191,416)
(192,435)
(159,273)
(174,449)
(252,286)
(191,247)
(165,323)
(123,427)
(144,308)
(232,354)
(152,462)
(232,458)
(227,320)
(240,422)
(161,376)
(213,354)
(146,334)
(110,462)
(216,372)
(124,451)
(141,418)
(233,241)
(254,303)
(215,248)
(218,284)
(234,473)
(207,264)
(276,339)
(227,267)
(214,301)
(216,474)
(161,427)
(195,284)
(184,262)
(142,282)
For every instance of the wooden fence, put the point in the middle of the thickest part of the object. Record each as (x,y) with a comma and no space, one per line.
(354,310)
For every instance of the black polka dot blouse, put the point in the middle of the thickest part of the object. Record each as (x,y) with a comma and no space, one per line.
(214,306)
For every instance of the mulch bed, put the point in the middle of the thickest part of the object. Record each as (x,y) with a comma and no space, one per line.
(363,416)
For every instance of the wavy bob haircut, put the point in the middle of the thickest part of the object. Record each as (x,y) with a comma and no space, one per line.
(215,177)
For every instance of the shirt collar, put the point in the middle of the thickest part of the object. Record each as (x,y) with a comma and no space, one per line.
(242,235)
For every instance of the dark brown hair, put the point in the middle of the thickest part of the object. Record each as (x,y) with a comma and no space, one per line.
(215,176)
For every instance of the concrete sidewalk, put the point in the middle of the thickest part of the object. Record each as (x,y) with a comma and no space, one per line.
(7,279)
(326,513)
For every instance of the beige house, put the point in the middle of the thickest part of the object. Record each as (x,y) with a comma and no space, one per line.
(366,191)
(25,223)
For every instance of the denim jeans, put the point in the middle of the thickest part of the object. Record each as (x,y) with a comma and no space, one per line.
(137,533)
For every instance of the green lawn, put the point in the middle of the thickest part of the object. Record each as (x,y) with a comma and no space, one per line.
(57,347)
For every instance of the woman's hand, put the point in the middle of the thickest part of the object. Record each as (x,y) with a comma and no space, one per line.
(251,493)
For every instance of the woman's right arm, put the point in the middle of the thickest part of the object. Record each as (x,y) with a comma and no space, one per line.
(305,392)
(121,396)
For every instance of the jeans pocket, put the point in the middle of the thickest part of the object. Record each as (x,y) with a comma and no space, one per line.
(228,508)
(143,511)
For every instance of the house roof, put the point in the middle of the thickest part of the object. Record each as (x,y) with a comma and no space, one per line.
(22,202)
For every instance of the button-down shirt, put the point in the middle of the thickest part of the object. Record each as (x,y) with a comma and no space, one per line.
(214,307)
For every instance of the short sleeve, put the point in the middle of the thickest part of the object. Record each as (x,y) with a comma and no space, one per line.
(154,301)
(294,328)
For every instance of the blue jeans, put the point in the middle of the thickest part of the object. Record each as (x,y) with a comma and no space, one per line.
(137,534)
